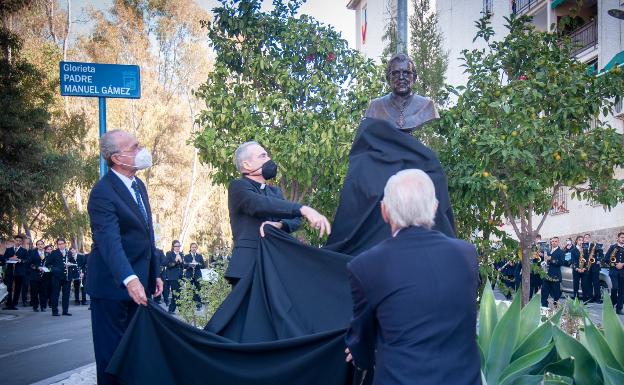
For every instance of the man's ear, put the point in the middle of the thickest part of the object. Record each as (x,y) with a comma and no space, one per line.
(384,213)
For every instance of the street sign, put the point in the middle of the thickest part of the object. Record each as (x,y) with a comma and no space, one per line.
(100,80)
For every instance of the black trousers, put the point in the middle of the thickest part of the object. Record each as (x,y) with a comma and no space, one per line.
(79,291)
(166,290)
(39,292)
(617,288)
(58,285)
(175,291)
(25,286)
(536,284)
(14,288)
(594,276)
(109,320)
(550,288)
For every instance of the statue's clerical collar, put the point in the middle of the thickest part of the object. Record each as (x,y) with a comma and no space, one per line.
(406,114)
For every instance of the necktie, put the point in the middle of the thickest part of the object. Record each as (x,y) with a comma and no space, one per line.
(137,195)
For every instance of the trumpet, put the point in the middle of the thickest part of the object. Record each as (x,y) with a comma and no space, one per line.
(613,260)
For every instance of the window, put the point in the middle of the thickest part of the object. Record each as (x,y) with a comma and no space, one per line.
(488,7)
(560,202)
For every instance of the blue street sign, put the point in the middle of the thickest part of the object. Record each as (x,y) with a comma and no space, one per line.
(100,80)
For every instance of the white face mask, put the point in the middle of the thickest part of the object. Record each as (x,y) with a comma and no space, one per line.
(142,160)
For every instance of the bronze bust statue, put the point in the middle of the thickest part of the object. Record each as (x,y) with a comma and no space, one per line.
(402,107)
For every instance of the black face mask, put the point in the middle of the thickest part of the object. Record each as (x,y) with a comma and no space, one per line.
(269,170)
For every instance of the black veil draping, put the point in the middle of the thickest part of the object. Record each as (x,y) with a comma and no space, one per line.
(284,322)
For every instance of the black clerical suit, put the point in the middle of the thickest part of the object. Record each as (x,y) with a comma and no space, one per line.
(250,203)
(173,274)
(551,285)
(193,272)
(62,277)
(15,273)
(615,255)
(39,281)
(414,310)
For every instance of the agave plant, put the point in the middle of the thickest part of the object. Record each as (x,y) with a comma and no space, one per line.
(518,348)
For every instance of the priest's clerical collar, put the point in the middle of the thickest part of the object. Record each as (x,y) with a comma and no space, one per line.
(262,186)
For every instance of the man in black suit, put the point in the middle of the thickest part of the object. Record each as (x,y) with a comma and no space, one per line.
(38,284)
(123,266)
(16,259)
(193,263)
(80,295)
(615,260)
(593,250)
(252,204)
(414,295)
(551,285)
(62,265)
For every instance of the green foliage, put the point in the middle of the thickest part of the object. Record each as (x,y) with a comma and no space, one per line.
(521,129)
(291,84)
(390,36)
(28,163)
(427,52)
(544,353)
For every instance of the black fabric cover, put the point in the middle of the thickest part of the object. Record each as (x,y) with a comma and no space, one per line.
(284,322)
(379,151)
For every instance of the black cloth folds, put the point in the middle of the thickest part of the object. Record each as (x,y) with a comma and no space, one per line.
(379,151)
(284,322)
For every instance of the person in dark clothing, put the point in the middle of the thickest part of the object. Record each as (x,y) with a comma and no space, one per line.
(173,274)
(63,267)
(39,277)
(16,259)
(551,286)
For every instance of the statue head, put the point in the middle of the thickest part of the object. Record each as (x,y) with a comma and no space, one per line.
(401,74)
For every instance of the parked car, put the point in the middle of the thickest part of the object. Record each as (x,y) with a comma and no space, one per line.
(567,283)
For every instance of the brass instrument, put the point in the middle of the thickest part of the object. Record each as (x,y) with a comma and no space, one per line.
(582,260)
(613,260)
(537,257)
(592,258)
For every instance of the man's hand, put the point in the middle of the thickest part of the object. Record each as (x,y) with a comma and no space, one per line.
(349,356)
(317,220)
(137,292)
(13,258)
(279,225)
(619,266)
(159,287)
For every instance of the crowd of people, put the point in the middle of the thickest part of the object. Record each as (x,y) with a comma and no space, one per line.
(40,275)
(585,258)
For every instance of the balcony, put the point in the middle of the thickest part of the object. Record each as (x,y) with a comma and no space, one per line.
(584,37)
(522,7)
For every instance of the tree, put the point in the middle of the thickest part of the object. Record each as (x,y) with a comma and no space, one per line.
(28,164)
(390,36)
(427,52)
(293,85)
(521,130)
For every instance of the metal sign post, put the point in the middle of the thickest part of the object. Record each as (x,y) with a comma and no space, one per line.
(101,81)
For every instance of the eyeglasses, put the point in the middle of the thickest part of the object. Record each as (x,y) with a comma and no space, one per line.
(399,74)
(176,245)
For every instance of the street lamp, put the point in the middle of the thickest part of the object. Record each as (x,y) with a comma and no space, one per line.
(617,13)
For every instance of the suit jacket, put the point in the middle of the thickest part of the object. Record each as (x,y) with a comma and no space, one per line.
(34,263)
(555,263)
(173,269)
(575,257)
(56,263)
(251,203)
(191,272)
(18,269)
(123,242)
(414,310)
(614,251)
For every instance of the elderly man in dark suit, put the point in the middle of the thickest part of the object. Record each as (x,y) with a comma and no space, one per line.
(123,265)
(414,295)
(253,203)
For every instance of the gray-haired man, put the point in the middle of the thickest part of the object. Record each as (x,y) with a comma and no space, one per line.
(252,204)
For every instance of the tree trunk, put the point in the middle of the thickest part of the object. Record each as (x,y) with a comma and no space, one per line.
(525,245)
(189,199)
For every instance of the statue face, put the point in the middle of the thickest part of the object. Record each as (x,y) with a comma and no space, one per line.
(401,78)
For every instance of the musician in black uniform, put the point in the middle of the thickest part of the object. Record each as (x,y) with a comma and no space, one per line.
(551,285)
(63,266)
(80,295)
(162,260)
(46,281)
(38,282)
(594,254)
(615,260)
(580,275)
(252,204)
(173,274)
(27,272)
(193,263)
(16,259)
(536,267)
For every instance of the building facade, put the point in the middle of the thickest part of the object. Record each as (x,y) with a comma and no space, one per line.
(599,39)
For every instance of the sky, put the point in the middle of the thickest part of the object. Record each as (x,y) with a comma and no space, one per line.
(332,12)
